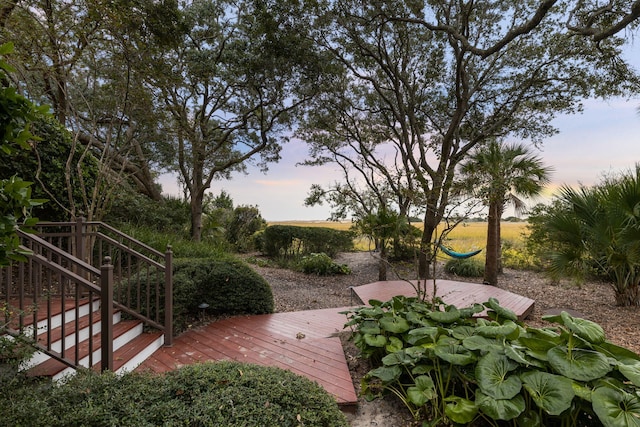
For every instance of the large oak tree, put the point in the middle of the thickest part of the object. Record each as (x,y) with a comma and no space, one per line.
(432,80)
(232,85)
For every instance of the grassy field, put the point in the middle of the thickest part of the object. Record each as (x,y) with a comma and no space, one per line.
(463,238)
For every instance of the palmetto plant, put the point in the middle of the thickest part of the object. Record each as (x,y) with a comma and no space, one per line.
(599,234)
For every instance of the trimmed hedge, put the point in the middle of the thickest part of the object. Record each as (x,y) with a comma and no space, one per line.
(293,242)
(227,285)
(208,394)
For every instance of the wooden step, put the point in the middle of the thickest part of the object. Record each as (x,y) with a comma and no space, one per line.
(55,336)
(123,332)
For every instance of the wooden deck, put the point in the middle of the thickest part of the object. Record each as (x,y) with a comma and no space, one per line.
(305,342)
(460,294)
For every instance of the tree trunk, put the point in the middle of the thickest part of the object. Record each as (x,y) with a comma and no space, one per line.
(196,216)
(499,238)
(629,297)
(382,264)
(425,256)
(491,252)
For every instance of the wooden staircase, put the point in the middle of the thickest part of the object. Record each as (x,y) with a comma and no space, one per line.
(132,344)
(87,296)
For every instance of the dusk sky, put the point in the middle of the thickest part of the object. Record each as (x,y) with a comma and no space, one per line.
(604,138)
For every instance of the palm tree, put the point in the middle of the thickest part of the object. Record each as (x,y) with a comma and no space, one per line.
(499,174)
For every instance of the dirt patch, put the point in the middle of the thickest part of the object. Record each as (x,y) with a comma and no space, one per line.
(294,291)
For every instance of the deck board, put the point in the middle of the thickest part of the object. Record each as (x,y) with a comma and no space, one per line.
(306,342)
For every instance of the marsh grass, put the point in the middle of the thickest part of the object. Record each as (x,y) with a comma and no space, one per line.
(465,237)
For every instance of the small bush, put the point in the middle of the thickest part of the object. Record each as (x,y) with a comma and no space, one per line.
(227,285)
(468,267)
(292,242)
(322,265)
(516,257)
(246,221)
(213,394)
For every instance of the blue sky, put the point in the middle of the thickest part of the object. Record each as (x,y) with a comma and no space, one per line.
(604,138)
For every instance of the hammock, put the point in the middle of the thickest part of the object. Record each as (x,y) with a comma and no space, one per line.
(459,255)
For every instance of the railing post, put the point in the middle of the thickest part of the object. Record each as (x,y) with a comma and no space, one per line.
(80,232)
(168,297)
(106,313)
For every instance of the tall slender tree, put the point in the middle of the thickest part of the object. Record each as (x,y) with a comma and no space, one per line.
(501,174)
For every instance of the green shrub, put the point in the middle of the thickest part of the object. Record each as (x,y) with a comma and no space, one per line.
(322,265)
(292,242)
(227,285)
(467,267)
(516,257)
(449,367)
(181,244)
(208,394)
(245,222)
(137,211)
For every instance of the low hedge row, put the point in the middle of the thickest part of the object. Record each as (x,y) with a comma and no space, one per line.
(290,241)
(209,394)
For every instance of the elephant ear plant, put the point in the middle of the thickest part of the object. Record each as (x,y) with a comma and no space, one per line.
(450,367)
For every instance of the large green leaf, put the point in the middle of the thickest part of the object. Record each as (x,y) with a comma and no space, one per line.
(497,330)
(451,315)
(375,340)
(460,410)
(545,334)
(552,393)
(616,408)
(501,312)
(530,418)
(395,324)
(454,354)
(619,353)
(386,374)
(423,391)
(578,364)
(492,373)
(484,344)
(468,312)
(518,357)
(462,331)
(371,312)
(582,391)
(585,329)
(500,409)
(631,371)
(370,327)
(422,335)
(536,347)
(394,344)
(401,357)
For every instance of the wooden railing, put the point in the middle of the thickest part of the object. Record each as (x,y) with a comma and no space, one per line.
(74,266)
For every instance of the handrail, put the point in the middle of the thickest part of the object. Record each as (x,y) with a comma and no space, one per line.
(58,272)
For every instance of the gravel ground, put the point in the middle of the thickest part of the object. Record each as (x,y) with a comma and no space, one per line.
(594,301)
